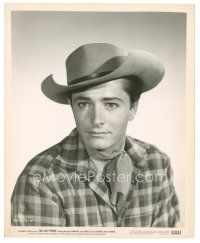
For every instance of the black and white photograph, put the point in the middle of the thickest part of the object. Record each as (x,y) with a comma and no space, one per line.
(99,102)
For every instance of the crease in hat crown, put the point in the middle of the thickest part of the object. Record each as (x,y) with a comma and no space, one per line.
(91,59)
(96,63)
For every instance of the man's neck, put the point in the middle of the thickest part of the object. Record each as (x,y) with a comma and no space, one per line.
(100,164)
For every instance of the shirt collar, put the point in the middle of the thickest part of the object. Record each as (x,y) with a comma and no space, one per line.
(73,155)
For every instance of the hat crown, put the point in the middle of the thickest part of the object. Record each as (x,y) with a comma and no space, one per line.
(93,59)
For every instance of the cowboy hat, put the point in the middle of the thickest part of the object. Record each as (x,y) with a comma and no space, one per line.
(97,63)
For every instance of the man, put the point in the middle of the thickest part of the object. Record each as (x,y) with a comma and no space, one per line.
(98,176)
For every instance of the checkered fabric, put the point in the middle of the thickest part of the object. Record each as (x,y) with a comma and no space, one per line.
(61,187)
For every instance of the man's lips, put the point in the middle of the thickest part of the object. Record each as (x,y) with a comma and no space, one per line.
(98,132)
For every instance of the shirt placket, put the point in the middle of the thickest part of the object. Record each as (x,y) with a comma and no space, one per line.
(99,187)
(97,184)
(130,197)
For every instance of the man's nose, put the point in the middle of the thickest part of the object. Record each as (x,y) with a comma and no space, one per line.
(97,115)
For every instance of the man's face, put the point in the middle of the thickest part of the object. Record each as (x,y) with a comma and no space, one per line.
(102,114)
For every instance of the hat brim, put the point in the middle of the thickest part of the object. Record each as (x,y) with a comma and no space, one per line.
(147,67)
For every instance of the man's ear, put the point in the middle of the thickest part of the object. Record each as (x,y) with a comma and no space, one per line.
(133,111)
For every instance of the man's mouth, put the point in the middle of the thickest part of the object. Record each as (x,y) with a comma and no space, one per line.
(98,132)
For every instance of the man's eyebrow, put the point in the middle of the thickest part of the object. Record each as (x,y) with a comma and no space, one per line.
(102,99)
(112,99)
(81,98)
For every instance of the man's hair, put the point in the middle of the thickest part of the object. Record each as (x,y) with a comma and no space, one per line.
(131,85)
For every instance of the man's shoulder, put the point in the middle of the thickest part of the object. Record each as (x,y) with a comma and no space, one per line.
(149,148)
(44,161)
(149,155)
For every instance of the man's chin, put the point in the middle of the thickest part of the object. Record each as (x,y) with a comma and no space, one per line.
(98,146)
(97,143)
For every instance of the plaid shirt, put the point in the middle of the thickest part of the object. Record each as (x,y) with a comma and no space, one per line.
(61,187)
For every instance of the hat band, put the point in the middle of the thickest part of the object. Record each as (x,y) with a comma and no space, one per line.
(90,76)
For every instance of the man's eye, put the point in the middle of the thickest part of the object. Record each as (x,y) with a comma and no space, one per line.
(111,106)
(83,105)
